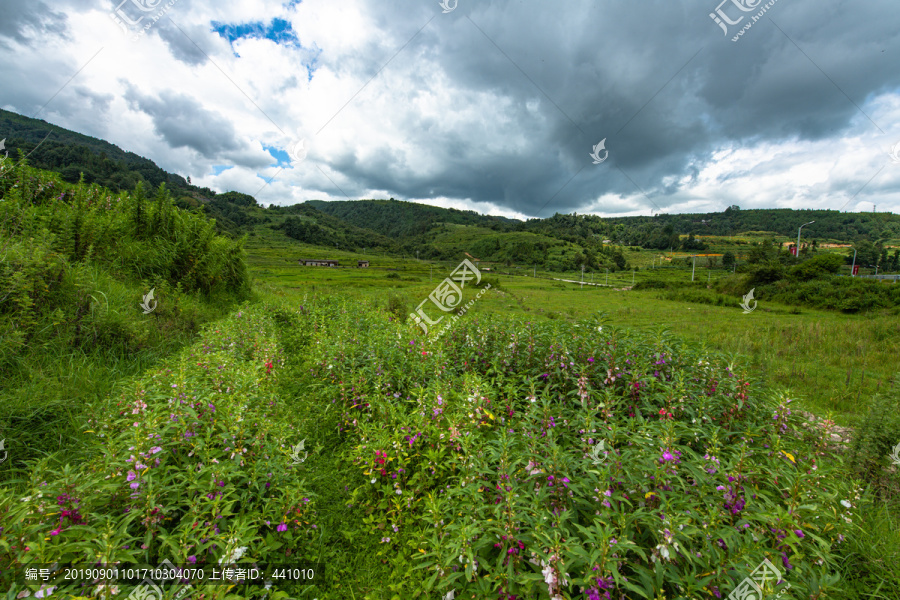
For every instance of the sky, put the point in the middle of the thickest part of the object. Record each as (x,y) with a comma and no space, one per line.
(519,108)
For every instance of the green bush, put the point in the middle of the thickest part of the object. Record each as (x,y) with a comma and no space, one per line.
(397,306)
(822,266)
(764,273)
(875,438)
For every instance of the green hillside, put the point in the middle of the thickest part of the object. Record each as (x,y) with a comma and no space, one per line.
(395,218)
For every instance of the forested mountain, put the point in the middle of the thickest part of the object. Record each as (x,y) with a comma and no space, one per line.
(657,232)
(69,153)
(395,218)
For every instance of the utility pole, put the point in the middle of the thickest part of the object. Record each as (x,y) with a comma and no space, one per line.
(853,266)
(693,268)
(798,237)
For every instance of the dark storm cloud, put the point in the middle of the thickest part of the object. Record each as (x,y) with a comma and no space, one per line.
(625,72)
(183,122)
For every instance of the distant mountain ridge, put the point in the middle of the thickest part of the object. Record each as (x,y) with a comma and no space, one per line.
(410,226)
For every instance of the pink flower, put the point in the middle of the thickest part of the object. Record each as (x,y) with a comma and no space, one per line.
(281,527)
(56,531)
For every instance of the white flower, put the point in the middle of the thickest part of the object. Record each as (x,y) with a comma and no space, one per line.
(234,556)
(846,503)
(373,480)
(450,595)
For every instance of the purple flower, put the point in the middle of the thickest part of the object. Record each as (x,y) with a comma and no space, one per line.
(281,527)
(155,449)
(799,533)
(192,559)
(135,485)
(667,456)
(131,475)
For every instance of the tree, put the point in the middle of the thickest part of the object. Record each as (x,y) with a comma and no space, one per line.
(815,268)
(728,259)
(866,253)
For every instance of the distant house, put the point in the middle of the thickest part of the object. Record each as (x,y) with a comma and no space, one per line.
(362,263)
(315,262)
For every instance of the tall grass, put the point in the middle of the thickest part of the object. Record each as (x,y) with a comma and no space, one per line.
(76,263)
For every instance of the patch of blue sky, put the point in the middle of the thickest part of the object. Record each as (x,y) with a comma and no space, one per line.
(219,169)
(279,155)
(278,30)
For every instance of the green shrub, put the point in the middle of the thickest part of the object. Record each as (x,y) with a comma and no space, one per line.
(875,438)
(821,266)
(397,306)
(764,273)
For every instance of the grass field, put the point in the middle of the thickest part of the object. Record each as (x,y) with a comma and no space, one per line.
(831,362)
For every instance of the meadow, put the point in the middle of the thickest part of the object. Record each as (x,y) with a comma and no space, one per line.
(832,362)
